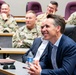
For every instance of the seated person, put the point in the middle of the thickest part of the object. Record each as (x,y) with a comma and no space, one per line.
(7,22)
(39,49)
(72,19)
(25,36)
(61,56)
(51,9)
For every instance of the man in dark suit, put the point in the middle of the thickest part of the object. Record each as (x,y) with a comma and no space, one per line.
(34,49)
(61,57)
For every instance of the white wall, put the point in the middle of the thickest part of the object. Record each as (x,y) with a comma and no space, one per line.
(18,7)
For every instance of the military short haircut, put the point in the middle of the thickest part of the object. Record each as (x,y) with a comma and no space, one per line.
(6,4)
(54,3)
(31,11)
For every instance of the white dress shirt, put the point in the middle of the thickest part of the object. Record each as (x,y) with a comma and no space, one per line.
(41,49)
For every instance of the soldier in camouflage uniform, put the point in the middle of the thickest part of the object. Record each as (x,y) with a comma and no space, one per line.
(72,19)
(25,36)
(7,22)
(51,9)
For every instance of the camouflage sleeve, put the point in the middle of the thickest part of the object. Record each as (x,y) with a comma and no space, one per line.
(72,19)
(39,18)
(21,43)
(11,24)
(20,40)
(16,40)
(39,31)
(26,43)
(24,39)
(14,26)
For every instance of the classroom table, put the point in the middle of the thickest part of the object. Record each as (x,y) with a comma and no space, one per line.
(13,50)
(18,71)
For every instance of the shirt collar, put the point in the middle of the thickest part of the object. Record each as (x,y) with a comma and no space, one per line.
(43,39)
(57,42)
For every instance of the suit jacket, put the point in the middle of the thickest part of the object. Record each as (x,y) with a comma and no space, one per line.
(37,42)
(65,58)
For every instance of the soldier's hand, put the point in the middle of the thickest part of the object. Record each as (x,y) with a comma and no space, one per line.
(4,16)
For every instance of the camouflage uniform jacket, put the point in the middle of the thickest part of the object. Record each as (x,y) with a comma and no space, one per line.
(72,19)
(40,18)
(9,26)
(24,37)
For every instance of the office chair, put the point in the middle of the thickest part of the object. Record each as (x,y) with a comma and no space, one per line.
(70,31)
(70,8)
(35,6)
(1,2)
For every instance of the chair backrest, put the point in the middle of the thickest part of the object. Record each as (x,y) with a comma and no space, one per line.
(35,6)
(1,2)
(70,8)
(70,31)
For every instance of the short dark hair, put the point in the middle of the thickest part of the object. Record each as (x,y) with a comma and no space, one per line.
(58,21)
(54,3)
(31,11)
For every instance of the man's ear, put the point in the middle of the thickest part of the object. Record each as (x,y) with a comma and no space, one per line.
(58,28)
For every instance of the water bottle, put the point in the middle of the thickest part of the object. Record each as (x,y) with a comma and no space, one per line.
(29,58)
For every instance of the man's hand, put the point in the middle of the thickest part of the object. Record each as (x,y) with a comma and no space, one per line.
(4,16)
(34,69)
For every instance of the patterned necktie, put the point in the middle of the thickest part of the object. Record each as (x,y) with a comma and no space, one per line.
(53,57)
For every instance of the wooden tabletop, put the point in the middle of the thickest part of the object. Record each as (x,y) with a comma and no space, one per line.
(13,50)
(6,34)
(19,18)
